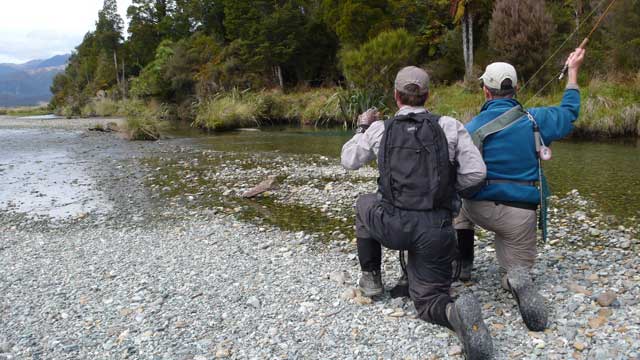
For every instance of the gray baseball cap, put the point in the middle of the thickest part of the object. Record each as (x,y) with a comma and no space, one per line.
(498,72)
(412,75)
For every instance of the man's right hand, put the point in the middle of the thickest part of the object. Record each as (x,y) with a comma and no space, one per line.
(368,117)
(574,62)
(575,59)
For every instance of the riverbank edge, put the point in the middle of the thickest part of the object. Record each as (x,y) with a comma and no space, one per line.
(609,109)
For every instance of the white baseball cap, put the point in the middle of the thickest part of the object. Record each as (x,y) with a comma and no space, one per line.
(498,72)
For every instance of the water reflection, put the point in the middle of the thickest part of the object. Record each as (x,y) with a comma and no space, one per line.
(608,172)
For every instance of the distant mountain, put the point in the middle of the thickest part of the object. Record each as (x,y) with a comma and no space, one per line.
(28,83)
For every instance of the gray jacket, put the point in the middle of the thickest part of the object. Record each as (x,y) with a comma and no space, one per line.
(363,148)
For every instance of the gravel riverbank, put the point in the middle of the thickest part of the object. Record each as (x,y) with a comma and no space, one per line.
(165,261)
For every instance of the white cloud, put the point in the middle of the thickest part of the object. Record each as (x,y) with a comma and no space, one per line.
(38,29)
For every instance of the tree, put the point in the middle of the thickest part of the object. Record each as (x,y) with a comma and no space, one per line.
(375,64)
(620,32)
(520,33)
(267,35)
(465,13)
(357,21)
(149,24)
(109,27)
(151,81)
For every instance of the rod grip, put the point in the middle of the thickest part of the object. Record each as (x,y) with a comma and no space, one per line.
(584,42)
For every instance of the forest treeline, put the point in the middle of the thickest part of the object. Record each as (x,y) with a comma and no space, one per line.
(188,52)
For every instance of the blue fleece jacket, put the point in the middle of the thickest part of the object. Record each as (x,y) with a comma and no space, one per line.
(510,154)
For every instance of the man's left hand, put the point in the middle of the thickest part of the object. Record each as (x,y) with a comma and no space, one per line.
(368,117)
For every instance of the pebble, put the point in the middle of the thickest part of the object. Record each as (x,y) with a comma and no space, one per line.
(339,277)
(606,298)
(362,300)
(455,350)
(253,302)
(349,294)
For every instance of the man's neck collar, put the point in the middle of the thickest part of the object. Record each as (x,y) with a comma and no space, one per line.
(407,109)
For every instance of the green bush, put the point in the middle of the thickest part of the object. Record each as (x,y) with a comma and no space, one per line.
(375,64)
(144,122)
(151,81)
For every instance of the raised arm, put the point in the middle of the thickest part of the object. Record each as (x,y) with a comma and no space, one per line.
(557,122)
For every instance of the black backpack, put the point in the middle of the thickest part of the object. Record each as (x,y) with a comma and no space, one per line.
(413,159)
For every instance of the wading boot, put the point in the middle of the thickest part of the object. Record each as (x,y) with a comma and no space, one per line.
(530,302)
(370,283)
(466,246)
(465,317)
(402,287)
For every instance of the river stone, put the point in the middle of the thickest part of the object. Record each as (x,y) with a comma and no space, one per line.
(606,298)
(455,350)
(349,294)
(361,300)
(339,277)
(253,302)
(579,345)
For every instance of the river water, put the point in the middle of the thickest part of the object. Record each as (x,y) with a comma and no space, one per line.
(607,172)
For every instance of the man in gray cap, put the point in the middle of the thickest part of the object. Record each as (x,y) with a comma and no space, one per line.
(425,161)
(513,141)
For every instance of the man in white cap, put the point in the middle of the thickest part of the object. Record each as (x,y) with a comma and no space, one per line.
(509,139)
(424,160)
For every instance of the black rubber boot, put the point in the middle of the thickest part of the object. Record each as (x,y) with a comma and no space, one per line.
(370,283)
(465,246)
(402,287)
(465,317)
(530,302)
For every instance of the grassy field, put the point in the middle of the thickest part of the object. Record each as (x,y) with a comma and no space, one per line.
(26,111)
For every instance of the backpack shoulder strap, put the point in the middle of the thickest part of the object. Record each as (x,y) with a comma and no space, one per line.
(496,125)
(418,116)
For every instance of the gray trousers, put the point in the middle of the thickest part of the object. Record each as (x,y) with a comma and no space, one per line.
(429,238)
(514,228)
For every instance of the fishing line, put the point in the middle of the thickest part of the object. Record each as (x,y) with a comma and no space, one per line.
(582,46)
(578,28)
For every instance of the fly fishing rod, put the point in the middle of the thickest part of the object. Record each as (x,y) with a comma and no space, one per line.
(584,42)
(582,45)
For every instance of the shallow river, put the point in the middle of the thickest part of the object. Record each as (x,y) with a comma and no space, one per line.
(607,172)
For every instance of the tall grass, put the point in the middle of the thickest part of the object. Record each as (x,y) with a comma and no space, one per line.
(318,107)
(228,111)
(101,107)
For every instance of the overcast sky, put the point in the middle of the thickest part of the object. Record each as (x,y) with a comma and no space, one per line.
(39,29)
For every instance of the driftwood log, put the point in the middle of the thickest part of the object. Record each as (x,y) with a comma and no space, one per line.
(265,185)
